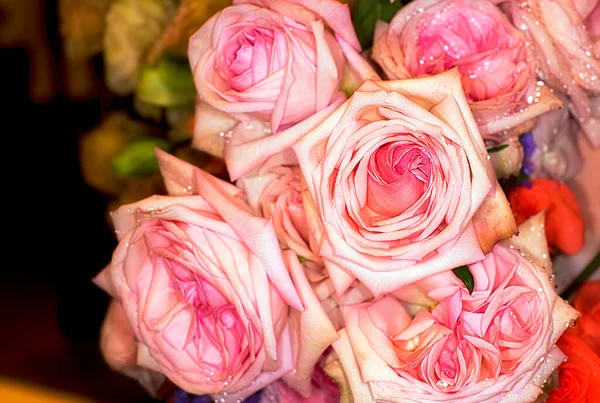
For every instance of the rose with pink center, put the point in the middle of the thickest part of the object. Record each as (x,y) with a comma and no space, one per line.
(497,69)
(397,177)
(495,344)
(434,349)
(204,286)
(277,62)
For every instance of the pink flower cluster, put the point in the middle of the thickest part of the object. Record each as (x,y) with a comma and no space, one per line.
(354,199)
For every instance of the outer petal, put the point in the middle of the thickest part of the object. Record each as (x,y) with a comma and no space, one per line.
(212,129)
(494,220)
(334,13)
(312,331)
(532,241)
(364,70)
(256,232)
(491,127)
(104,281)
(178,176)
(360,389)
(252,144)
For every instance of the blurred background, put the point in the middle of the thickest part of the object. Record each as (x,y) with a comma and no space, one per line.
(90,87)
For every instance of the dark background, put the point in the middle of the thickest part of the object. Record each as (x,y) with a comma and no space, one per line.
(55,234)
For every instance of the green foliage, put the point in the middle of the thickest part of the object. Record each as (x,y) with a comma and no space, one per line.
(366,13)
(465,275)
(138,158)
(168,83)
(497,148)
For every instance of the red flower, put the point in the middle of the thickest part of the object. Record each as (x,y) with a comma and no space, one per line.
(579,375)
(564,225)
(587,302)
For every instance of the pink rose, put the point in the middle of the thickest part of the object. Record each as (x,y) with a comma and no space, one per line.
(246,336)
(204,285)
(277,194)
(566,38)
(496,344)
(275,61)
(401,181)
(497,69)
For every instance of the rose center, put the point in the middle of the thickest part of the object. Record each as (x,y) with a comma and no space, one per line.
(397,177)
(248,58)
(447,367)
(211,307)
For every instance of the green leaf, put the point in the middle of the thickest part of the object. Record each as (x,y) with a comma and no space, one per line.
(168,83)
(366,13)
(138,158)
(497,148)
(303,259)
(464,275)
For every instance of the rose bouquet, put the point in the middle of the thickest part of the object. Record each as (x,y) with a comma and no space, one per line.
(361,245)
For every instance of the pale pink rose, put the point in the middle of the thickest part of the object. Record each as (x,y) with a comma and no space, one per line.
(204,285)
(566,38)
(276,61)
(277,194)
(497,69)
(308,329)
(496,344)
(400,179)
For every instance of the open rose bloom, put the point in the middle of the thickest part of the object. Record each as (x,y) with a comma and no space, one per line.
(497,68)
(269,64)
(400,180)
(494,344)
(566,38)
(277,193)
(210,300)
(204,302)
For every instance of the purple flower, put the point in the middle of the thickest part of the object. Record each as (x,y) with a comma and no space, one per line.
(528,143)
